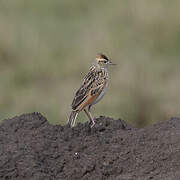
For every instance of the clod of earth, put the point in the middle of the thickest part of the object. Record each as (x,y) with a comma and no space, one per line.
(33,149)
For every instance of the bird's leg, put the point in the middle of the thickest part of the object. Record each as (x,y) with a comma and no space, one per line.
(89,115)
(89,110)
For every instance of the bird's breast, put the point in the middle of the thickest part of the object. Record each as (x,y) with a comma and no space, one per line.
(101,94)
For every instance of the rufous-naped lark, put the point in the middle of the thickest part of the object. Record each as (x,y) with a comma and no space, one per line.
(92,89)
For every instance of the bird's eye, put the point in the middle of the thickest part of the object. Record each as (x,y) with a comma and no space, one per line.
(105,61)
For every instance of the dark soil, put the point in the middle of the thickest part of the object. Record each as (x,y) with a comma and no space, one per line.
(33,149)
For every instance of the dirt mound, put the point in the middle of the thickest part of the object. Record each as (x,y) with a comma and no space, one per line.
(33,149)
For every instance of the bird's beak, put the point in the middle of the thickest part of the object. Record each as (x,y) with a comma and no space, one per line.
(110,63)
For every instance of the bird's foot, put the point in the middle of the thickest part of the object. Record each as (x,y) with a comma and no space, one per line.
(92,122)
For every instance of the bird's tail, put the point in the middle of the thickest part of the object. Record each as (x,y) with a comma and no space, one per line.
(72,118)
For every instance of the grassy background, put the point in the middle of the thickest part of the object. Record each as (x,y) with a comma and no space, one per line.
(46,47)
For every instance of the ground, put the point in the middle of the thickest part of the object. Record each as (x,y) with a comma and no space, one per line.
(33,149)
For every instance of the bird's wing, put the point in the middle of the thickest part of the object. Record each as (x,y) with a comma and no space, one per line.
(91,87)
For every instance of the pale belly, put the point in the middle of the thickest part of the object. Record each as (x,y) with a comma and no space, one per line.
(101,95)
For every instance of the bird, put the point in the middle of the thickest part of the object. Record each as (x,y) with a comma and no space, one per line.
(92,89)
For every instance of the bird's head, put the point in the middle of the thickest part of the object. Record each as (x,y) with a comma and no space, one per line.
(103,61)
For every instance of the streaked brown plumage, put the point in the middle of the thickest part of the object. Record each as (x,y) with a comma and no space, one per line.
(92,89)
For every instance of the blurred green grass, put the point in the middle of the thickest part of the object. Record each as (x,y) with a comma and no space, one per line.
(46,47)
